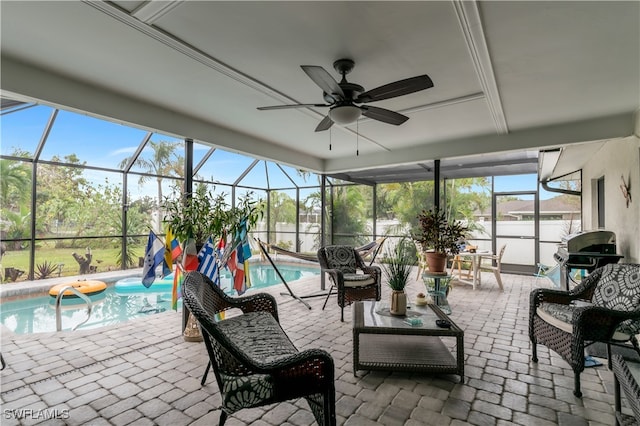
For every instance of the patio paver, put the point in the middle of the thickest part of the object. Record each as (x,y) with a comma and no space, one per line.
(143,372)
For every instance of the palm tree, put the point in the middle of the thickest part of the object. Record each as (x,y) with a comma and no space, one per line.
(164,162)
(14,182)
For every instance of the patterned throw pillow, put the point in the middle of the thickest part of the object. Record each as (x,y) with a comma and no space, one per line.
(619,289)
(341,258)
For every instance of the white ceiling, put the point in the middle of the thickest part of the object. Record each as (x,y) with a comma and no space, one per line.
(509,77)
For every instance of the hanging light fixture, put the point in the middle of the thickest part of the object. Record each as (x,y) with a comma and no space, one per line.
(345,114)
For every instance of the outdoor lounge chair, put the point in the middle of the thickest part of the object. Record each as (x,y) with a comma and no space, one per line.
(604,307)
(342,264)
(254,361)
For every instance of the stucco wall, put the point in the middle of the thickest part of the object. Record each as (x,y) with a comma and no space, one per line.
(616,159)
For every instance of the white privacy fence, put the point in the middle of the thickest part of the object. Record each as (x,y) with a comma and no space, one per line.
(519,251)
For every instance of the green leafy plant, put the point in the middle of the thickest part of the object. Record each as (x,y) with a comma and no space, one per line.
(45,269)
(204,214)
(439,234)
(399,261)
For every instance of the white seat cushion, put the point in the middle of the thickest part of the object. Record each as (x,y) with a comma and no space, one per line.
(555,320)
(358,280)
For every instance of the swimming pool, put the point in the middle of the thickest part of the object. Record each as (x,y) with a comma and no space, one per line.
(38,314)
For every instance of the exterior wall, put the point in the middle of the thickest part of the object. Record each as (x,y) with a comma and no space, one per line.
(616,158)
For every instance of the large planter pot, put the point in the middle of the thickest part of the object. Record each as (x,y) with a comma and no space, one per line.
(398,303)
(437,262)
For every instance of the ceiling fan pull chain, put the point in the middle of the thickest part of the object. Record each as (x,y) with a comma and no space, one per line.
(357,138)
(330,133)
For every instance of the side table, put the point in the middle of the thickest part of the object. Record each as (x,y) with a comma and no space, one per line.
(438,286)
(626,375)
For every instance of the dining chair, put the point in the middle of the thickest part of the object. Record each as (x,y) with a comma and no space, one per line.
(495,268)
(461,264)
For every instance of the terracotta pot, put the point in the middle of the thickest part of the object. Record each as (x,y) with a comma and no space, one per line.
(398,303)
(437,262)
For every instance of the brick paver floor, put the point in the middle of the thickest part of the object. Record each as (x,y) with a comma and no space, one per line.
(144,373)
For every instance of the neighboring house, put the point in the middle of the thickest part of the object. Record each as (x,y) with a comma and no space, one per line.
(556,208)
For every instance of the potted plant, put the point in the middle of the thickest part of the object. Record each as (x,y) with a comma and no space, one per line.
(204,215)
(397,269)
(439,238)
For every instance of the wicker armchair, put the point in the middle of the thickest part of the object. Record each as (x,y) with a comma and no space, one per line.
(605,307)
(342,263)
(254,361)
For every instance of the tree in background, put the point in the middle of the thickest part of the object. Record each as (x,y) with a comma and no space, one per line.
(165,161)
(60,189)
(404,201)
(15,183)
(15,189)
(282,209)
(349,214)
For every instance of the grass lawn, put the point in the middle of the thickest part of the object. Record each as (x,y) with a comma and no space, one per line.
(103,258)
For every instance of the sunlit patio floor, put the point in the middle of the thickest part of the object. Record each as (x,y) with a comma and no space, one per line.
(144,373)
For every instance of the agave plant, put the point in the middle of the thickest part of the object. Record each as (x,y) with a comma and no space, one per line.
(45,269)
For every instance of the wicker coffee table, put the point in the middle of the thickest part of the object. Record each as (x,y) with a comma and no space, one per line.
(385,342)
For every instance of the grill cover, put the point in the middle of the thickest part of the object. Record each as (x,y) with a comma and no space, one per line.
(598,241)
(585,250)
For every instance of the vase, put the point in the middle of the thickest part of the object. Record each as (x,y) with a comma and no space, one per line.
(192,330)
(398,303)
(437,262)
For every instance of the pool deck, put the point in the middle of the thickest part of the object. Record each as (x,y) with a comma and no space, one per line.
(144,373)
(11,291)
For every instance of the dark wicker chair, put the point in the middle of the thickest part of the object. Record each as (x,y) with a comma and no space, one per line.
(625,379)
(342,263)
(254,361)
(604,307)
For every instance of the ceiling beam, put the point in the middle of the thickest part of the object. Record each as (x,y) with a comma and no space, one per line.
(610,127)
(473,31)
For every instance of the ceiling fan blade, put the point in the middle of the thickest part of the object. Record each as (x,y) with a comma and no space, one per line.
(384,115)
(266,108)
(324,124)
(323,79)
(397,88)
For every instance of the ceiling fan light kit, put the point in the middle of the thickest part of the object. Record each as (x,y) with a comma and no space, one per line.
(346,100)
(345,114)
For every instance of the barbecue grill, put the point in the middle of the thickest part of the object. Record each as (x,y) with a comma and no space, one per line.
(586,250)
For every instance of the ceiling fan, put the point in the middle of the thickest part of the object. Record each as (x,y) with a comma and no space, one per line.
(346,101)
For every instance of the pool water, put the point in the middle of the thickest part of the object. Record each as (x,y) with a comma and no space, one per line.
(38,314)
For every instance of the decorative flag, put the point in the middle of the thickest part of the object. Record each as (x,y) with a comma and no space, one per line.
(232,264)
(178,278)
(208,262)
(167,247)
(246,251)
(176,250)
(238,273)
(190,256)
(154,257)
(172,248)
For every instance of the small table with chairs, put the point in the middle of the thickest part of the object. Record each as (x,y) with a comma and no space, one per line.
(477,266)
